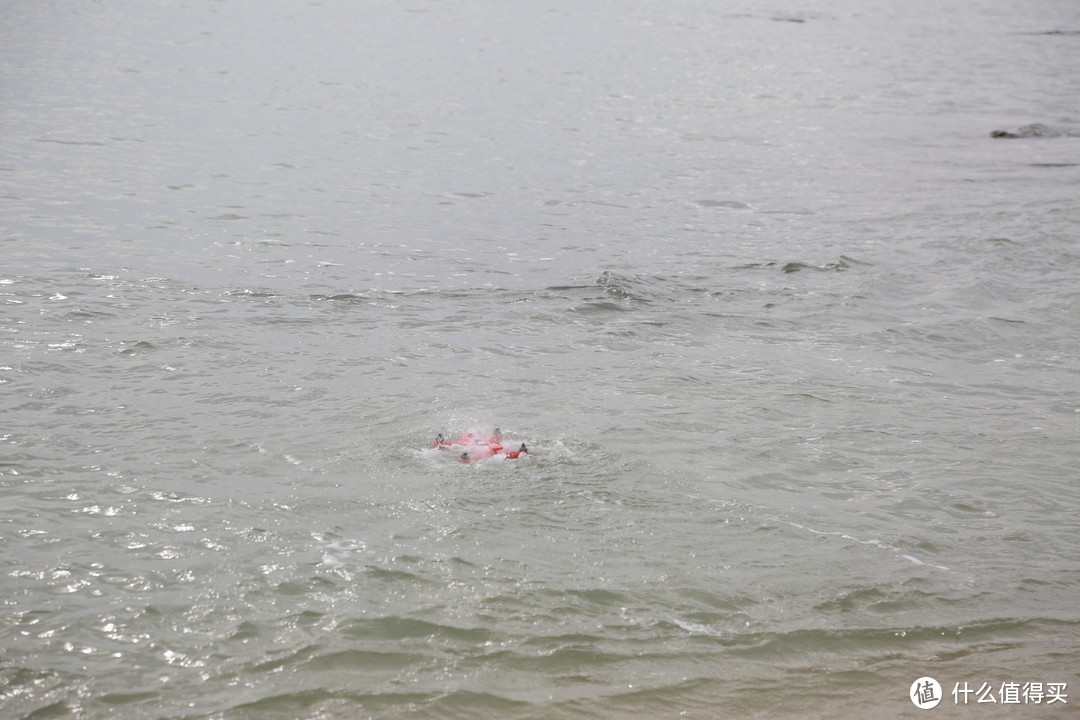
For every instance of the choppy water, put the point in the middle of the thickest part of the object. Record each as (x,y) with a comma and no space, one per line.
(794,344)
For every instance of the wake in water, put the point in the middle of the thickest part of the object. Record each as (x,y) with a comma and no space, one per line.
(878,543)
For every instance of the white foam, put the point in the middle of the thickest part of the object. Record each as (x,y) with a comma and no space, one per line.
(338,553)
(696,628)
